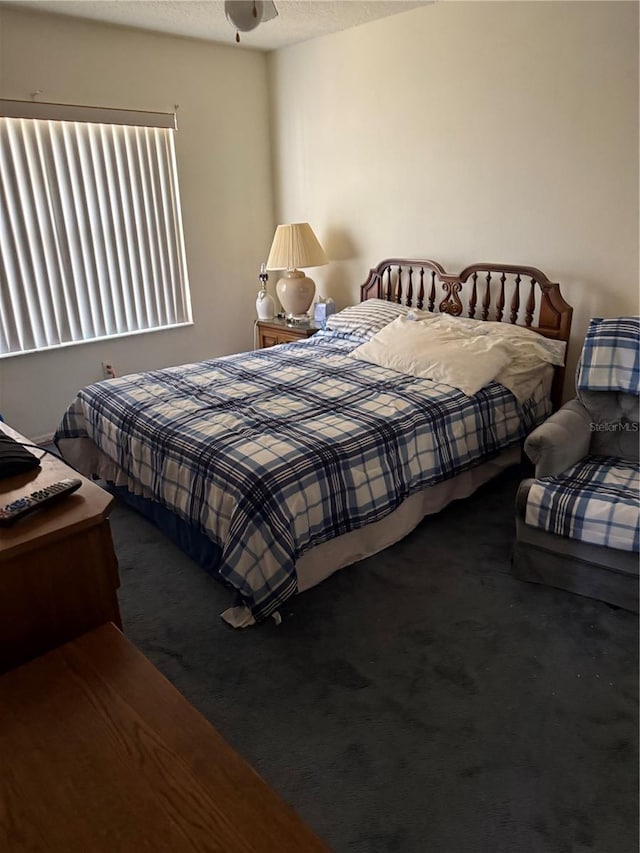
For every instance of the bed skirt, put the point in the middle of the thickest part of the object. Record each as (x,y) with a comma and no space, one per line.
(320,562)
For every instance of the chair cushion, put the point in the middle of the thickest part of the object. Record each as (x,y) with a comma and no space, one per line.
(608,385)
(595,501)
(610,358)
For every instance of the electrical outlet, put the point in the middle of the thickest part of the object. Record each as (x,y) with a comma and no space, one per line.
(108,370)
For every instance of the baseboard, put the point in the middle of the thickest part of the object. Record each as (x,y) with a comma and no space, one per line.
(42,439)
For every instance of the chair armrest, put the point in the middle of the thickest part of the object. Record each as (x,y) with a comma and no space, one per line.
(561,440)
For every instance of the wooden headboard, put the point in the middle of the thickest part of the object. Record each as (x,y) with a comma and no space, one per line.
(510,293)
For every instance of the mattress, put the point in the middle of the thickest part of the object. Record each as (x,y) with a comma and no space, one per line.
(274,453)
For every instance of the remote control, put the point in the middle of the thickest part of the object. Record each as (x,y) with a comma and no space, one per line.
(22,506)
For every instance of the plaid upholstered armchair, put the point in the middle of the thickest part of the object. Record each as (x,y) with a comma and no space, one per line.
(577,521)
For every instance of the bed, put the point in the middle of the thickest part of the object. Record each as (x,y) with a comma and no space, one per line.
(275,468)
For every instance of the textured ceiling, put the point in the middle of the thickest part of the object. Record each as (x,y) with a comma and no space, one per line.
(298,20)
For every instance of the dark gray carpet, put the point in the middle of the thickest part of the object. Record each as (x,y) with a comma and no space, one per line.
(422,701)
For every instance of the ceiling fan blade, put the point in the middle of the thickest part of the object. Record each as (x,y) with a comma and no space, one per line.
(269,10)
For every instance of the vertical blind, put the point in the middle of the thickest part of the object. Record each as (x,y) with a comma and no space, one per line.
(91,241)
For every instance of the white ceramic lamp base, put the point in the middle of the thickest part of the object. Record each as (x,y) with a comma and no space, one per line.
(295,291)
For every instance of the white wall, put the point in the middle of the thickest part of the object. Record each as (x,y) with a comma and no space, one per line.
(458,131)
(224,170)
(469,132)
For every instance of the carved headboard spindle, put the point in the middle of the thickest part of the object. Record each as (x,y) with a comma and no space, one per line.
(420,301)
(500,302)
(473,299)
(432,291)
(486,302)
(531,304)
(515,301)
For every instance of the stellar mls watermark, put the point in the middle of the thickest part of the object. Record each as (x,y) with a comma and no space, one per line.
(614,426)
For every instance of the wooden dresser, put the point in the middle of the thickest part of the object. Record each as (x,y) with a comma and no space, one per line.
(58,570)
(101,754)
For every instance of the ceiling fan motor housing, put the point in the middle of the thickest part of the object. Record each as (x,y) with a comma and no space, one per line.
(245,16)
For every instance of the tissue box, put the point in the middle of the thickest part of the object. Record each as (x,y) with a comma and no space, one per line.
(323,309)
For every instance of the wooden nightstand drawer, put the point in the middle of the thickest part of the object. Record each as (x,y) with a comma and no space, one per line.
(277,331)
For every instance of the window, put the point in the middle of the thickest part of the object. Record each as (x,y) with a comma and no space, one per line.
(91,241)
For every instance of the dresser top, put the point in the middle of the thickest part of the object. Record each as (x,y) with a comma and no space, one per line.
(104,754)
(85,508)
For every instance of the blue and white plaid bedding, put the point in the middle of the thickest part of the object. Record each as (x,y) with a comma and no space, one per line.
(610,359)
(272,452)
(597,501)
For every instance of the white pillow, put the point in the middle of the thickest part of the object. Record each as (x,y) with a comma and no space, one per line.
(519,338)
(441,354)
(464,353)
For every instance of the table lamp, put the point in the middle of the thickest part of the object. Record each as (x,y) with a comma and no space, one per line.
(295,246)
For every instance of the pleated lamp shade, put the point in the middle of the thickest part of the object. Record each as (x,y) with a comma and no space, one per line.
(295,246)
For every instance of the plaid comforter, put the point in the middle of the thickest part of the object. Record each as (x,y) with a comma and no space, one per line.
(272,452)
(596,501)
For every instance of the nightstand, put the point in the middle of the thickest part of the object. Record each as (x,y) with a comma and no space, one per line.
(278,331)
